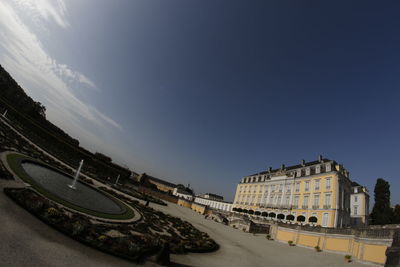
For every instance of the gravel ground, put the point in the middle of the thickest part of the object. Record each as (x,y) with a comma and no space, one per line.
(244,249)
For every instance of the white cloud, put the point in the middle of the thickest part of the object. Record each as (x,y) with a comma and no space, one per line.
(45,10)
(25,57)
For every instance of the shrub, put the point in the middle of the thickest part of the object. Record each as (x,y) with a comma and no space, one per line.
(290,242)
(347,258)
(317,248)
(52,211)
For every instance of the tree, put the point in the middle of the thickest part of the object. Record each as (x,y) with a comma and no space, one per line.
(382,212)
(396,214)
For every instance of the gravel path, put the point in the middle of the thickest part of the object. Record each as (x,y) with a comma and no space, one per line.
(244,249)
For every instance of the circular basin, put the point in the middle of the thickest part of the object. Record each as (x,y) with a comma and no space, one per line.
(83,196)
(53,184)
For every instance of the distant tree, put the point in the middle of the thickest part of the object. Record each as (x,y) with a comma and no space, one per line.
(396,214)
(382,212)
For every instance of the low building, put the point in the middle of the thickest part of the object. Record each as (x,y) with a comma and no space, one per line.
(199,208)
(214,203)
(185,203)
(182,193)
(160,184)
(211,196)
(359,205)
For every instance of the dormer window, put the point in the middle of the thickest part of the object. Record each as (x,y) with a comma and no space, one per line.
(307,171)
(298,173)
(328,167)
(318,169)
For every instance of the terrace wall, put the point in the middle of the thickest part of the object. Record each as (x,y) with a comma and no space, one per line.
(368,245)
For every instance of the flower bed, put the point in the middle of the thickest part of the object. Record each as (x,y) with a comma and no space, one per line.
(133,241)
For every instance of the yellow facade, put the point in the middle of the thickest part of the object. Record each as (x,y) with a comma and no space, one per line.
(184,203)
(312,195)
(201,209)
(162,187)
(374,253)
(361,249)
(308,240)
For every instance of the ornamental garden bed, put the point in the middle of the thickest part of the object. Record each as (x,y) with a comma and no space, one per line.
(132,241)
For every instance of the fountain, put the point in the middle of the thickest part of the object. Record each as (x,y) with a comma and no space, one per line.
(116,182)
(73,185)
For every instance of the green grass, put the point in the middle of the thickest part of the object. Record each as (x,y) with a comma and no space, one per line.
(15,160)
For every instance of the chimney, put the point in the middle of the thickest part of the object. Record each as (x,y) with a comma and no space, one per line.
(303,162)
(320,158)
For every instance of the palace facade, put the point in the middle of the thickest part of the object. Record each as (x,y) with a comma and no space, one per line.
(359,205)
(315,193)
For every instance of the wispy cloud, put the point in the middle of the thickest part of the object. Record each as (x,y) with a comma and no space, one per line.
(45,10)
(26,58)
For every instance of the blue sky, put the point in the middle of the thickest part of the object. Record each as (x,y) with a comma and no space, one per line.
(205,92)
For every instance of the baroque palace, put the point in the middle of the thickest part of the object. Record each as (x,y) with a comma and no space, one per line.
(315,193)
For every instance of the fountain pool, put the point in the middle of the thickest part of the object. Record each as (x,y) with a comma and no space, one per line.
(54,184)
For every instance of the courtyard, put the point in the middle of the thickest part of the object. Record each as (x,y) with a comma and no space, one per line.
(26,241)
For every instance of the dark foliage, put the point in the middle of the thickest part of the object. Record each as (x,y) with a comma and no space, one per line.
(396,214)
(382,212)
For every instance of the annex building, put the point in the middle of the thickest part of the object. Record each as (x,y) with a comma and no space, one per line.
(315,193)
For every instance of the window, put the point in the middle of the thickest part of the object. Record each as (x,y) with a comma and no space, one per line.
(327,201)
(273,187)
(296,201)
(287,200)
(307,171)
(279,200)
(307,187)
(297,187)
(298,173)
(316,202)
(328,183)
(325,219)
(355,198)
(355,210)
(305,202)
(316,185)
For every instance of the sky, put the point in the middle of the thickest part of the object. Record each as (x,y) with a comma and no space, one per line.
(206,92)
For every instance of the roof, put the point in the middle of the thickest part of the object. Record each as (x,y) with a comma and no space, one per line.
(288,168)
(182,191)
(158,180)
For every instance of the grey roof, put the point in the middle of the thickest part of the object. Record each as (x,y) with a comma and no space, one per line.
(288,168)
